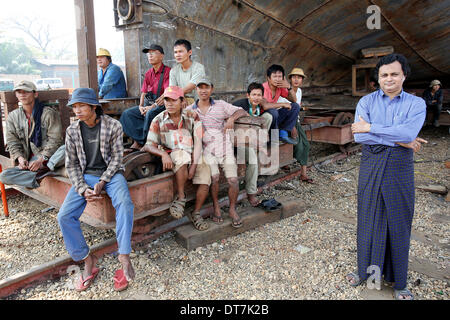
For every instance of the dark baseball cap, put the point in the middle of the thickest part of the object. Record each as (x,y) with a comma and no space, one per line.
(153,47)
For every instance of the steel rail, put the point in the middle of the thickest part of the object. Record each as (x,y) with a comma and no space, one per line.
(58,267)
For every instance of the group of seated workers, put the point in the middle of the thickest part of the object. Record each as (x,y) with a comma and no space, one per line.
(176,120)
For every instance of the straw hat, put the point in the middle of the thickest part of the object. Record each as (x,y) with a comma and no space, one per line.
(298,72)
(435,82)
(103,52)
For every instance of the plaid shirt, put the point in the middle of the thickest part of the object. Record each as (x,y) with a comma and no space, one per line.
(164,132)
(111,147)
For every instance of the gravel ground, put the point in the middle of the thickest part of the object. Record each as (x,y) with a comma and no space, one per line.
(302,257)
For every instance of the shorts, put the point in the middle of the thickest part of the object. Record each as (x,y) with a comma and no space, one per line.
(202,172)
(228,165)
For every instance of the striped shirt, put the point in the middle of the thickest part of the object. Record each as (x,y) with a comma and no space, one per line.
(111,148)
(181,136)
(215,142)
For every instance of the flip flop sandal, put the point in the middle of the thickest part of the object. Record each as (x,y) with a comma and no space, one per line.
(120,281)
(309,180)
(198,221)
(355,279)
(83,284)
(267,205)
(276,204)
(271,205)
(236,223)
(177,208)
(130,150)
(405,293)
(217,220)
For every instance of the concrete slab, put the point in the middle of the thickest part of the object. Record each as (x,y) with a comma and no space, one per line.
(386,293)
(190,238)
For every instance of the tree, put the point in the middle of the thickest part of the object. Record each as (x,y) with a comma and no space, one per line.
(15,58)
(42,37)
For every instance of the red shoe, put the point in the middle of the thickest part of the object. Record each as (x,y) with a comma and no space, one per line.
(120,281)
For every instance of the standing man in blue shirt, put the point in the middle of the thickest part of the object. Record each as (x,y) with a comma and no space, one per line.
(387,123)
(111,81)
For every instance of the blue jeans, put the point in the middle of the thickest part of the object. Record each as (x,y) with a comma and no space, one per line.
(284,119)
(27,178)
(135,125)
(73,207)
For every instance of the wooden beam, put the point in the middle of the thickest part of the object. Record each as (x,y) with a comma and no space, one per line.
(87,56)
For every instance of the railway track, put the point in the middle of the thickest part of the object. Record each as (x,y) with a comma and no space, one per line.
(150,230)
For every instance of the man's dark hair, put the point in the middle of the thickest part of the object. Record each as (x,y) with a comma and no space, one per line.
(98,111)
(183,42)
(391,58)
(254,86)
(274,68)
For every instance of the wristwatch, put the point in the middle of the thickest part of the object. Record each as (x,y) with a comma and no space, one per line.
(45,158)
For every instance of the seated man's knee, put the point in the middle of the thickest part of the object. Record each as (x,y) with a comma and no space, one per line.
(273,113)
(295,107)
(215,178)
(233,181)
(5,177)
(62,217)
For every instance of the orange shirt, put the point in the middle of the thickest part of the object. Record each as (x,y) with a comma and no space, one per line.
(280,92)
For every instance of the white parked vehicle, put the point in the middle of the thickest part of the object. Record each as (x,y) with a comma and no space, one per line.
(49,83)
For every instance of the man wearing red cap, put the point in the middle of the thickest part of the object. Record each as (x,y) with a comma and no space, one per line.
(176,136)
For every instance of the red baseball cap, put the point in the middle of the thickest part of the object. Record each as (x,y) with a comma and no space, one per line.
(173,92)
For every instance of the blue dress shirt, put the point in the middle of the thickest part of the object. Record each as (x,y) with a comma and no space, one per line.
(396,120)
(111,84)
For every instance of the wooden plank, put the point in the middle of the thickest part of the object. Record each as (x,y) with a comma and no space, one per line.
(190,238)
(377,52)
(87,56)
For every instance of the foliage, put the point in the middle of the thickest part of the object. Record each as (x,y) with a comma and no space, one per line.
(16,58)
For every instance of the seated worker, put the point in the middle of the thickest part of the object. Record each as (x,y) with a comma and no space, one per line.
(186,73)
(136,120)
(34,139)
(284,115)
(253,105)
(217,116)
(94,153)
(434,97)
(301,149)
(111,81)
(176,136)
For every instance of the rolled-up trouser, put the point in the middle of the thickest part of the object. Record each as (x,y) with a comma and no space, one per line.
(27,178)
(73,207)
(135,125)
(251,171)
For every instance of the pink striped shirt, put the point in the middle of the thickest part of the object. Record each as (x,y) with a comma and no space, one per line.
(215,141)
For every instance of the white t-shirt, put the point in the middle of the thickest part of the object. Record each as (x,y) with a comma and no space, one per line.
(179,77)
(299,98)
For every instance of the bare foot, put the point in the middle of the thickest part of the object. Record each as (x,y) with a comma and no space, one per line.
(89,264)
(216,216)
(234,217)
(136,145)
(253,199)
(126,266)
